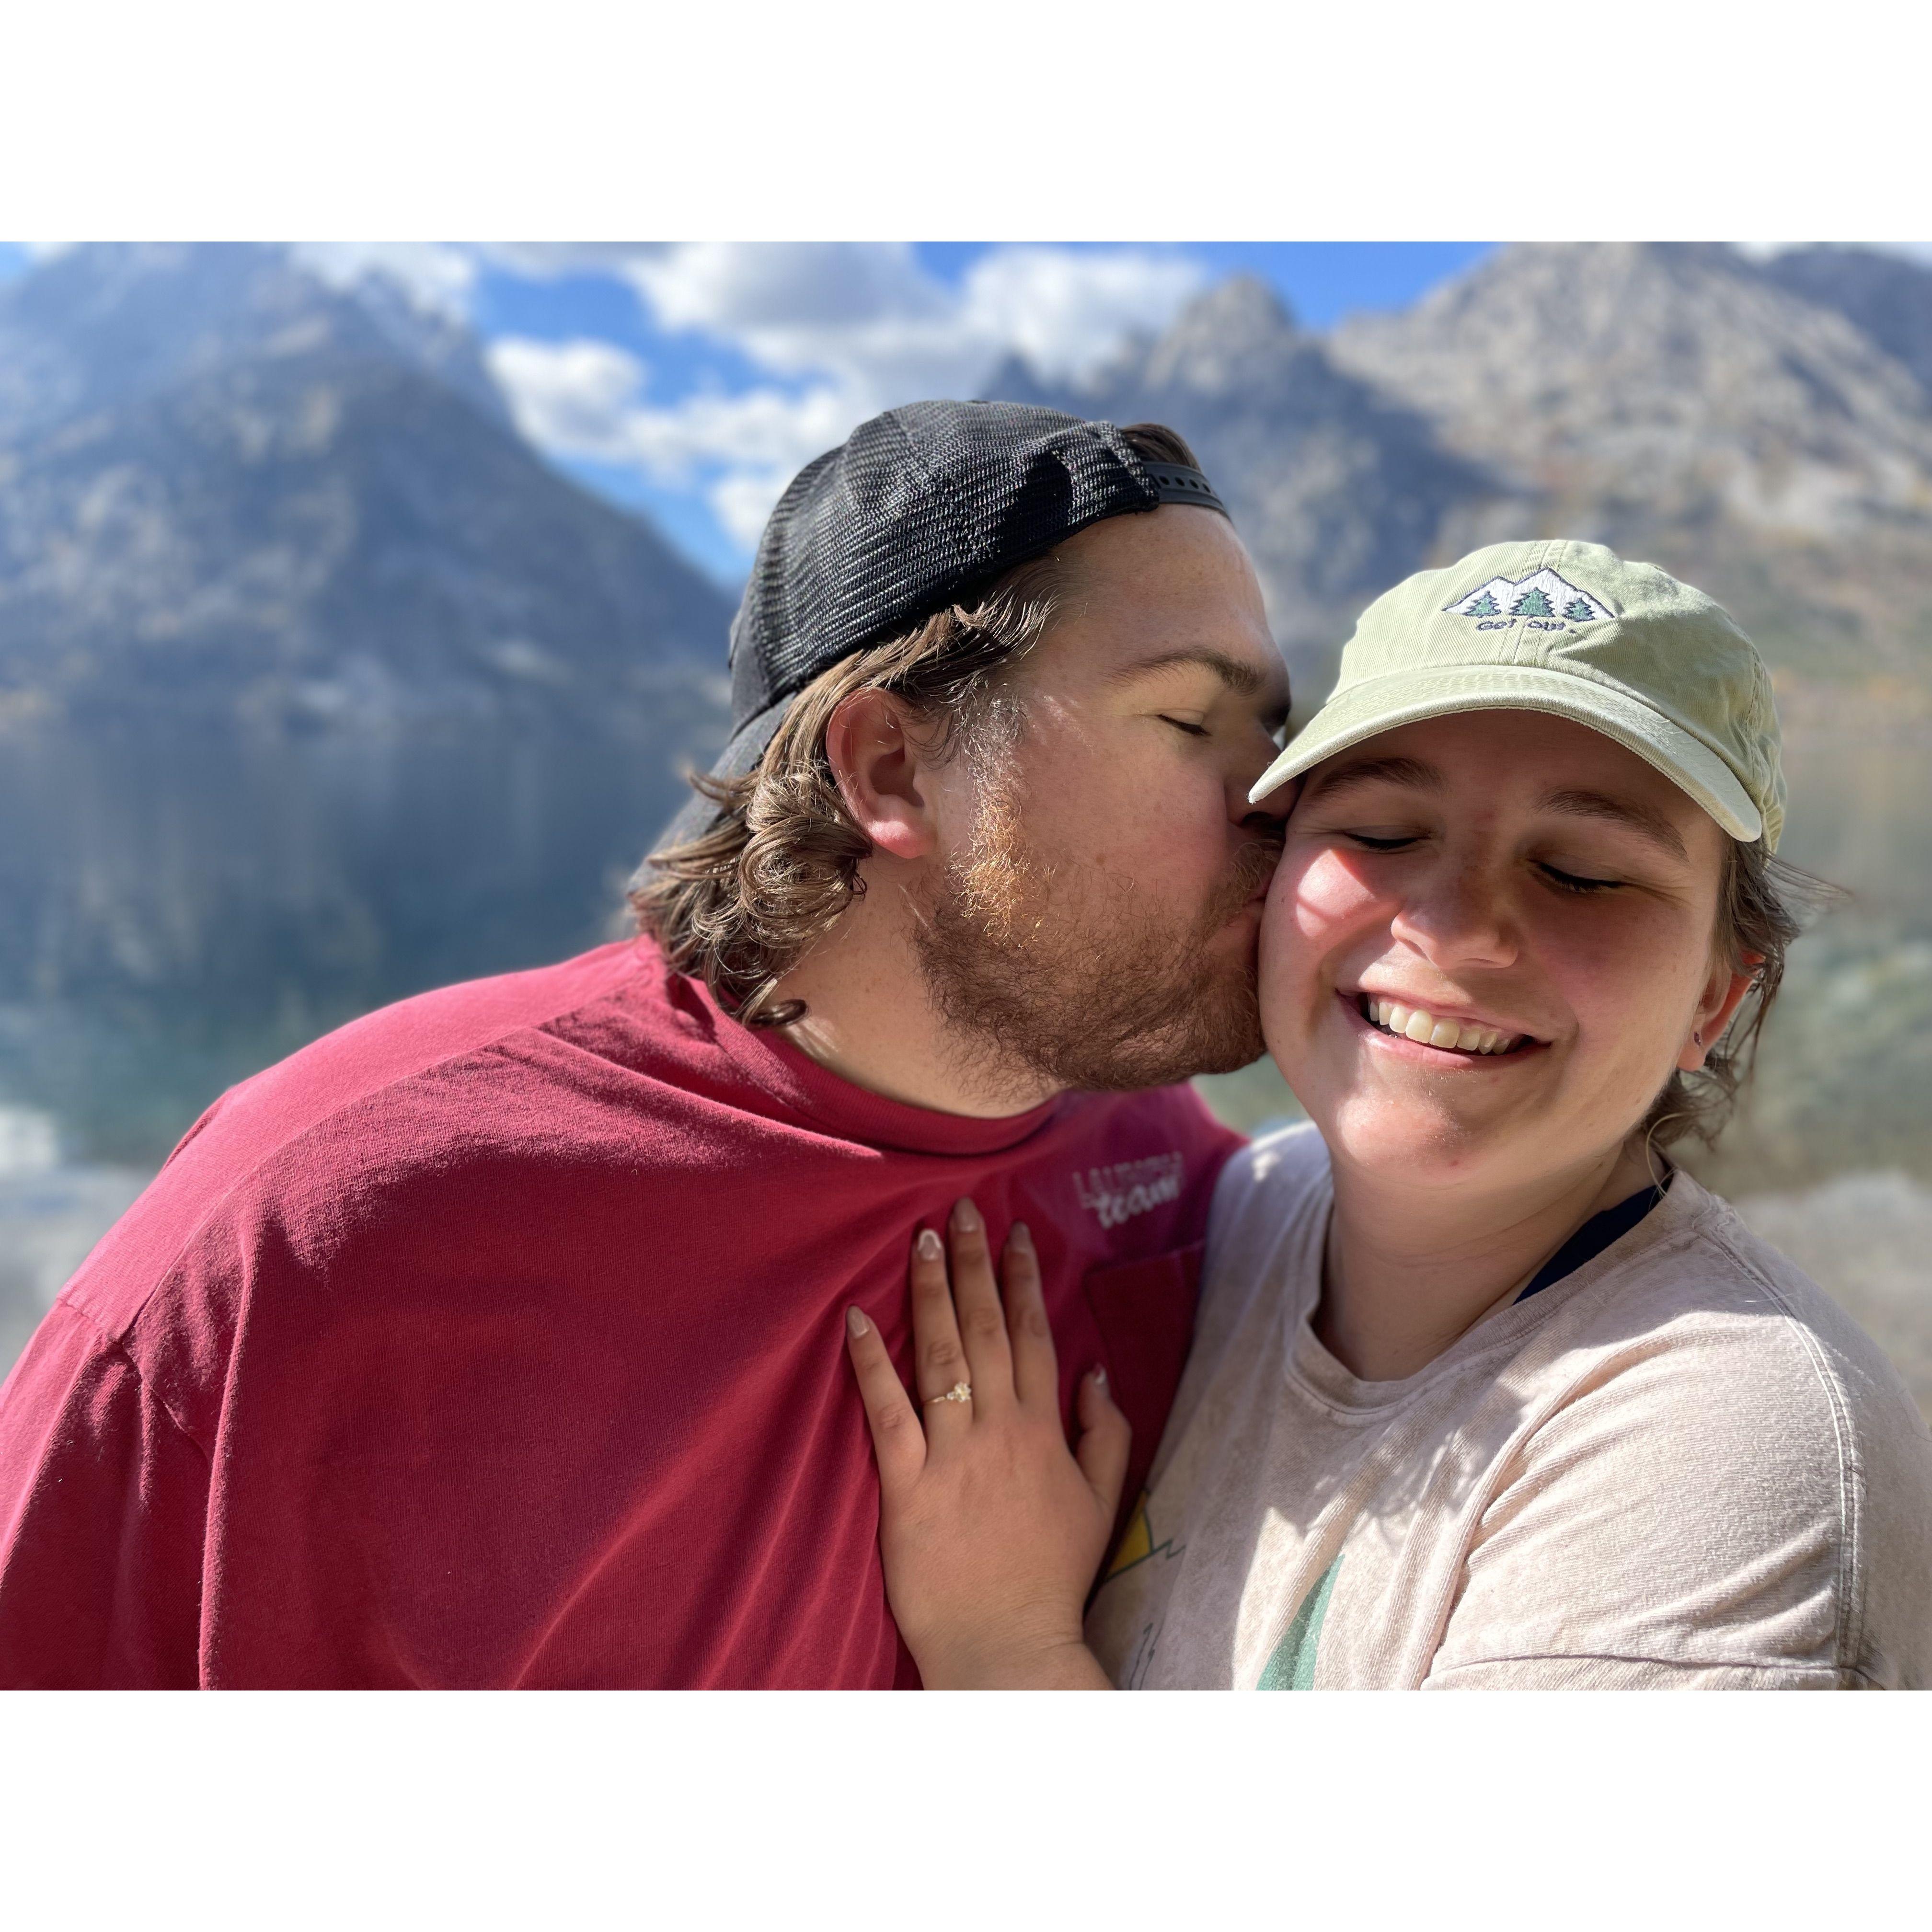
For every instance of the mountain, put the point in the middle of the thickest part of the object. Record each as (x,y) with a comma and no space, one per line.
(1339,488)
(1687,406)
(1886,298)
(1763,429)
(1671,384)
(317,685)
(228,491)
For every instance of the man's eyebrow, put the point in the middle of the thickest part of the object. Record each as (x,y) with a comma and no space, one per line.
(1643,819)
(1244,679)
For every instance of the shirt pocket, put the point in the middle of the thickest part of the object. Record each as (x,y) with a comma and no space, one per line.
(1144,1311)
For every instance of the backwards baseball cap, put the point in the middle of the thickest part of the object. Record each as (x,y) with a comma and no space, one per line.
(914,511)
(1571,629)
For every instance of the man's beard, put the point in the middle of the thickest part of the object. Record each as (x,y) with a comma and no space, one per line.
(1068,975)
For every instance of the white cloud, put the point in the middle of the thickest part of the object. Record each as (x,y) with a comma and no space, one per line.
(868,316)
(836,331)
(792,289)
(844,330)
(756,429)
(437,276)
(741,501)
(863,316)
(571,398)
(1920,252)
(545,261)
(585,399)
(1063,311)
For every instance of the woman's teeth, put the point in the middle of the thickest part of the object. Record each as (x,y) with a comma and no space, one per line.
(1463,1036)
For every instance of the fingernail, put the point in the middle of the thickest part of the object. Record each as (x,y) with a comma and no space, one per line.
(855,1322)
(928,1245)
(966,1217)
(1100,1375)
(1021,1234)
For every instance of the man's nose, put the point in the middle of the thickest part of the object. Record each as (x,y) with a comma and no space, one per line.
(1267,815)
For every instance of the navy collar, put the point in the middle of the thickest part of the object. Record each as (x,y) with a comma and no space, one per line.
(1595,1235)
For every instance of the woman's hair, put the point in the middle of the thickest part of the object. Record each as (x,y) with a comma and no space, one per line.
(1762,904)
(739,906)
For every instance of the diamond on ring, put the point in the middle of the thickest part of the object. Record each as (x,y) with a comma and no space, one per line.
(958,1392)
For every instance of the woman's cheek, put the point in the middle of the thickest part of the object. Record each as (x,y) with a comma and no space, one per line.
(1316,907)
(1320,895)
(1626,1012)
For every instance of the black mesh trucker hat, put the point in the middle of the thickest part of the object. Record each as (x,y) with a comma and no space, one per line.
(915,509)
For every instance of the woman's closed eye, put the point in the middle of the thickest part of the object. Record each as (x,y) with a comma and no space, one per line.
(1183,724)
(1575,882)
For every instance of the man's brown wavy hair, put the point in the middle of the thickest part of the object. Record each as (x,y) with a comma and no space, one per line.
(739,906)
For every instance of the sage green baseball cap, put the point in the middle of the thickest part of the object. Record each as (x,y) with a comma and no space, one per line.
(1571,629)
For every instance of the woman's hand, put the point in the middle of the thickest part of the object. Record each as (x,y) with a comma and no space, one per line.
(990,1529)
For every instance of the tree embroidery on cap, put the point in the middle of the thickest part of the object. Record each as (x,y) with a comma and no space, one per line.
(1535,598)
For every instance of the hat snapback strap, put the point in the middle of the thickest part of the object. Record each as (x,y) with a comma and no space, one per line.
(1175,483)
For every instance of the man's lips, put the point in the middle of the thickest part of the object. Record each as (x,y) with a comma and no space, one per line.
(1259,863)
(1245,920)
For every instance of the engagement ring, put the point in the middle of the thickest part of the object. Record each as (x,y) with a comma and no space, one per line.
(958,1392)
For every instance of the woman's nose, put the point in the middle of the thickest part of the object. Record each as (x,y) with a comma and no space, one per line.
(1456,917)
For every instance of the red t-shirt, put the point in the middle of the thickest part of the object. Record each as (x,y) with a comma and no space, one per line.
(497,1339)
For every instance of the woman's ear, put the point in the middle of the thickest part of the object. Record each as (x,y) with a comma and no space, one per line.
(1723,994)
(882,767)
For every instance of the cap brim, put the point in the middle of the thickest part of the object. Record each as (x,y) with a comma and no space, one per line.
(741,752)
(1406,698)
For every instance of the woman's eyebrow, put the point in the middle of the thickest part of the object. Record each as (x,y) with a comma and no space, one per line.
(1388,771)
(1643,819)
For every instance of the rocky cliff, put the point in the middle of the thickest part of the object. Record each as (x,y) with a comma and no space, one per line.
(317,685)
(228,492)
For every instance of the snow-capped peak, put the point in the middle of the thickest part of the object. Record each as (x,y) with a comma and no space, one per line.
(1541,594)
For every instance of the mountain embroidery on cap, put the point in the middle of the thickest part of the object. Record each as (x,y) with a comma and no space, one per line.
(1542,596)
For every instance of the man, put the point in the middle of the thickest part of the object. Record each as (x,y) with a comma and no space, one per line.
(496,1339)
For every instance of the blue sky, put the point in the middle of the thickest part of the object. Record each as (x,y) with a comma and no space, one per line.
(691,380)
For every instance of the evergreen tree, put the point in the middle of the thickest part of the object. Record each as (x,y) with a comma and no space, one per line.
(1578,613)
(1531,603)
(1485,606)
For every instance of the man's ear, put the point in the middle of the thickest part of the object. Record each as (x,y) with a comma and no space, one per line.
(883,769)
(1723,993)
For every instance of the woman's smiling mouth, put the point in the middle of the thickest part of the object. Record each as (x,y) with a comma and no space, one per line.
(1440,1035)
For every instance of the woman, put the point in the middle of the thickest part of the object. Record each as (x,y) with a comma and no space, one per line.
(1483,1392)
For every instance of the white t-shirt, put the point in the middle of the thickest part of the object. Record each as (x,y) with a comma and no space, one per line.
(1681,1465)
